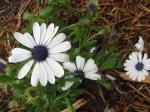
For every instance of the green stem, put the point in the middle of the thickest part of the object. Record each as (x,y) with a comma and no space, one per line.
(69,26)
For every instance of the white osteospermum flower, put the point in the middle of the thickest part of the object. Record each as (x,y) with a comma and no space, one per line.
(86,70)
(140,44)
(137,66)
(46,49)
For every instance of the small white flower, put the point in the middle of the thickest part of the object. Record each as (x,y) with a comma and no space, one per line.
(137,66)
(46,49)
(86,70)
(92,49)
(140,44)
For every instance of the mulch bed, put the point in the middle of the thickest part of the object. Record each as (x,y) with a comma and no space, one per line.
(129,18)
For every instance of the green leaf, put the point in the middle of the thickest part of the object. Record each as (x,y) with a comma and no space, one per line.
(12,104)
(70,107)
(109,63)
(11,71)
(28,16)
(76,51)
(44,12)
(107,85)
(4,78)
(119,65)
(28,28)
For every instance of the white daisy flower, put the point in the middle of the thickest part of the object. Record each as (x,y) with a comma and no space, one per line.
(140,44)
(137,66)
(86,70)
(46,49)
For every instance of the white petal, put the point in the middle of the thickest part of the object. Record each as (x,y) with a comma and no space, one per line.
(36,32)
(35,75)
(20,51)
(67,85)
(18,57)
(43,74)
(129,68)
(57,40)
(56,67)
(145,57)
(30,38)
(132,74)
(130,63)
(140,56)
(140,47)
(135,75)
(23,39)
(147,64)
(90,66)
(50,74)
(25,69)
(70,66)
(61,57)
(140,44)
(80,61)
(146,73)
(139,78)
(93,76)
(48,33)
(132,58)
(141,41)
(135,56)
(60,48)
(143,77)
(42,34)
(53,34)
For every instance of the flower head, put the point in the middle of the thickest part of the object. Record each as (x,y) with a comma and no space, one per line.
(46,49)
(85,70)
(137,66)
(140,44)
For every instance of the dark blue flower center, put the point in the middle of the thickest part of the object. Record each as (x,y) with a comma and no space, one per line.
(139,66)
(80,73)
(39,53)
